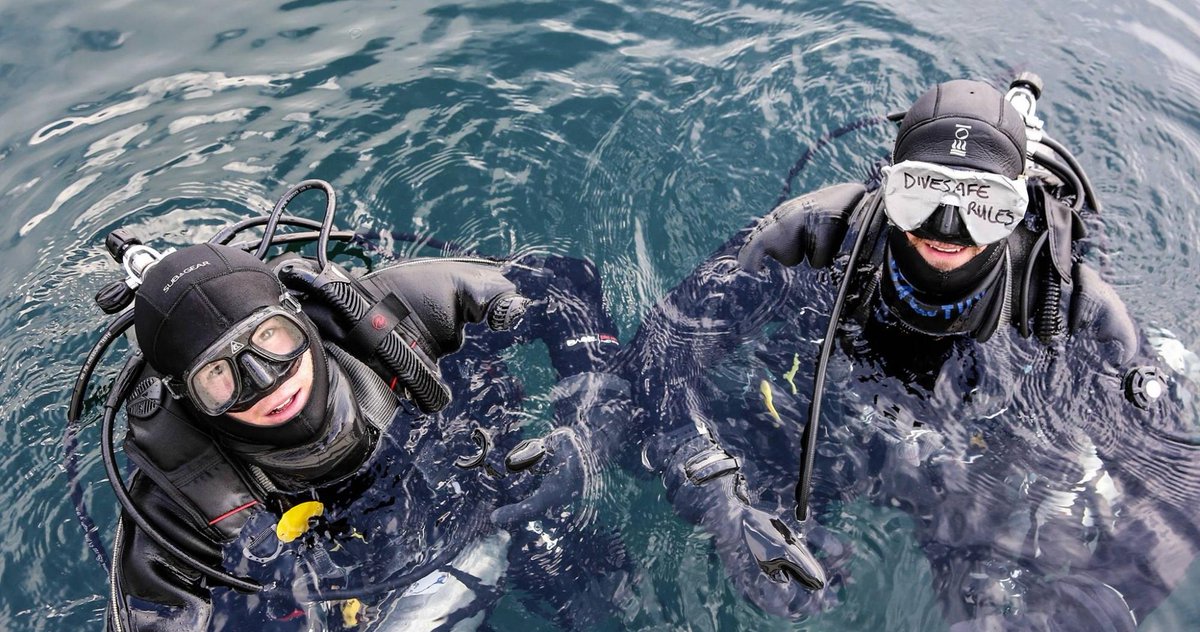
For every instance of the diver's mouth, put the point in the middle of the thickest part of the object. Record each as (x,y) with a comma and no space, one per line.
(944,247)
(283,407)
(943,255)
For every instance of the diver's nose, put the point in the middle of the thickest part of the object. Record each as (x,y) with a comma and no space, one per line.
(946,222)
(256,370)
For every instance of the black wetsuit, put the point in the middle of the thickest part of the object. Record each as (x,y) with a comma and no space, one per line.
(1042,498)
(410,535)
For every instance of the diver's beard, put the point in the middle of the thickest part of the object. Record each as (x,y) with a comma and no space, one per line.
(941,286)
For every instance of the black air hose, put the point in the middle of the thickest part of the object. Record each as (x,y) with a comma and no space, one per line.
(427,391)
(1067,156)
(110,334)
(1047,322)
(1064,173)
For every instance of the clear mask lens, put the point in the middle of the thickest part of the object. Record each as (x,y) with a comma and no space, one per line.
(246,363)
(278,336)
(214,386)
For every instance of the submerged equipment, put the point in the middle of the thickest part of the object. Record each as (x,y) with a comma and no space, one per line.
(419,378)
(1044,152)
(1144,385)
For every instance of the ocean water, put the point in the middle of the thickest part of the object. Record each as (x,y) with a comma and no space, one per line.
(639,134)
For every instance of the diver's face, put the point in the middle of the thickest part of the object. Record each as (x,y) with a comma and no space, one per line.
(943,256)
(283,403)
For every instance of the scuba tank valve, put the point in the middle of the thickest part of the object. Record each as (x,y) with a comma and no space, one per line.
(136,258)
(1023,93)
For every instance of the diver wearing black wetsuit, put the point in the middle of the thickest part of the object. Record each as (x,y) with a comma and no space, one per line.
(1041,496)
(269,441)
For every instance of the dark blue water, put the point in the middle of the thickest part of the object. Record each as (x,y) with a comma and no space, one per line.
(640,134)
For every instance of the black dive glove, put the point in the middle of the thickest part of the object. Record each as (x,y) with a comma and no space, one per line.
(809,227)
(552,475)
(768,562)
(446,294)
(567,313)
(400,320)
(590,411)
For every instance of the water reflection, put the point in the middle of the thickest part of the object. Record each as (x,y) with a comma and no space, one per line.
(638,134)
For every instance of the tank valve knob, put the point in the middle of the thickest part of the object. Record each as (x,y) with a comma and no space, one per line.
(1144,385)
(118,242)
(1023,94)
(1030,81)
(114,297)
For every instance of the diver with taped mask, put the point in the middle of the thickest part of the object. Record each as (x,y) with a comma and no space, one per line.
(285,478)
(989,384)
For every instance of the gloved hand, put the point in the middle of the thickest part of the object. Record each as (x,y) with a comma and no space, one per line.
(446,294)
(401,319)
(549,473)
(768,561)
(811,226)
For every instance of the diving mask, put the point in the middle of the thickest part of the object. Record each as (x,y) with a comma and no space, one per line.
(248,362)
(990,205)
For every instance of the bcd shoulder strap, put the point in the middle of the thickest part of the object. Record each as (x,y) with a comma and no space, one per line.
(212,490)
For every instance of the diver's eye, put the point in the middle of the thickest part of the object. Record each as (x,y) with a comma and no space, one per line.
(214,383)
(279,336)
(264,334)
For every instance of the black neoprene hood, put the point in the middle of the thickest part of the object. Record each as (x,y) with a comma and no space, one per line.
(192,297)
(963,123)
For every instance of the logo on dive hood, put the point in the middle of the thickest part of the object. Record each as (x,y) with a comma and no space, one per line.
(958,146)
(191,268)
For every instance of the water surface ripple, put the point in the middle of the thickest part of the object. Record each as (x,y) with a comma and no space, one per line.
(640,134)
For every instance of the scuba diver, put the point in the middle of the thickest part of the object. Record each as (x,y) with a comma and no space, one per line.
(994,387)
(283,476)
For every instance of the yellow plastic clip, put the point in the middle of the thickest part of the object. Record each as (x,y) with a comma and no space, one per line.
(764,388)
(295,521)
(351,609)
